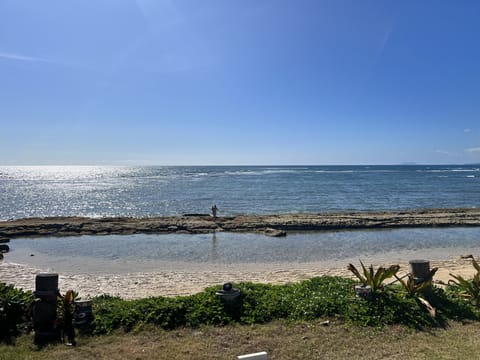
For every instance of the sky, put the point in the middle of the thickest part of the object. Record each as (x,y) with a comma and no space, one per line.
(251,82)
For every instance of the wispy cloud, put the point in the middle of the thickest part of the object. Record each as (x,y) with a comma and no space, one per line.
(467,130)
(19,57)
(442,152)
(473,150)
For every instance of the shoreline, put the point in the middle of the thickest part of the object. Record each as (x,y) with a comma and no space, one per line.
(189,280)
(273,225)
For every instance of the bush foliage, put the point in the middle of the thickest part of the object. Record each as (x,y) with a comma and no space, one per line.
(260,303)
(320,297)
(14,305)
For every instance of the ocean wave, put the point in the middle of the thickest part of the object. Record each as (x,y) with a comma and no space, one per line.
(337,171)
(373,171)
(447,170)
(260,172)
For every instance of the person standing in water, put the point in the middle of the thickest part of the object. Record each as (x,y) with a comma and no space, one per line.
(214,211)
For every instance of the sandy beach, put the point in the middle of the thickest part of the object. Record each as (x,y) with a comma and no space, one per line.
(189,279)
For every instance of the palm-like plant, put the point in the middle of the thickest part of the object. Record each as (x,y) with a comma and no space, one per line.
(414,287)
(468,288)
(65,313)
(373,278)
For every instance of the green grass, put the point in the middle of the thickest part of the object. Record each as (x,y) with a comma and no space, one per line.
(281,339)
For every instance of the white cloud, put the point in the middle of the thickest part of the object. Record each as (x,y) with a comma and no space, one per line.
(19,57)
(467,130)
(442,152)
(473,150)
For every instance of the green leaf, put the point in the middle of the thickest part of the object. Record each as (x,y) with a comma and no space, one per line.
(378,278)
(475,265)
(354,270)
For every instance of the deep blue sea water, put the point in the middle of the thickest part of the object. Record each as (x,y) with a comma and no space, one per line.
(38,191)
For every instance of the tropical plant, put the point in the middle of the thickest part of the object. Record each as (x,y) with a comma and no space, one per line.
(373,278)
(468,288)
(65,314)
(415,288)
(66,304)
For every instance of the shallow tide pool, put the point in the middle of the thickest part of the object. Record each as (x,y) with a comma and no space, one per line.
(133,253)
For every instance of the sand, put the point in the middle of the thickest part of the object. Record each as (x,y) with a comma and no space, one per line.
(189,279)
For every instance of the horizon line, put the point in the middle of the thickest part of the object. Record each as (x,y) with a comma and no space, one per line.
(237,165)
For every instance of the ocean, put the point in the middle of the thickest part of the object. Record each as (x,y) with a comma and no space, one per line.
(105,191)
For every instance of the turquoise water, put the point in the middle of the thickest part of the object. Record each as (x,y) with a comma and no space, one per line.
(98,191)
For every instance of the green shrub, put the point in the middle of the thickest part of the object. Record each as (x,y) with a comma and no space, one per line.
(206,308)
(113,313)
(259,303)
(14,305)
(321,296)
(109,312)
(451,307)
(388,307)
(262,303)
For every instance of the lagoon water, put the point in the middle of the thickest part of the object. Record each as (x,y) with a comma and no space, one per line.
(128,253)
(99,191)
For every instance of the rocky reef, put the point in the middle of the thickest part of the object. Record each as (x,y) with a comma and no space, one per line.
(273,225)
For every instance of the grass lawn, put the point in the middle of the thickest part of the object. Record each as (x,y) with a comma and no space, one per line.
(281,339)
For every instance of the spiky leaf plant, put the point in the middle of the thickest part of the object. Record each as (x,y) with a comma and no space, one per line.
(414,288)
(468,288)
(374,278)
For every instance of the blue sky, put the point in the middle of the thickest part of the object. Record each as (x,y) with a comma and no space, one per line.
(239,82)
